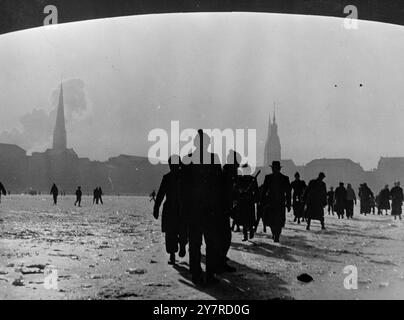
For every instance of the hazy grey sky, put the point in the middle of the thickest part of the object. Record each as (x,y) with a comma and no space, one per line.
(127,76)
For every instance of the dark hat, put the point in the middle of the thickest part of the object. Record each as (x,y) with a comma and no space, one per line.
(276,164)
(321,174)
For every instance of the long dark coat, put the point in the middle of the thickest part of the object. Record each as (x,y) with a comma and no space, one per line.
(246,197)
(315,199)
(397,198)
(276,196)
(298,187)
(340,199)
(204,189)
(170,189)
(384,199)
(54,190)
(366,198)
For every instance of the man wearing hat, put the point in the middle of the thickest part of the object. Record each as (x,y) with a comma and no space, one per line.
(316,200)
(276,198)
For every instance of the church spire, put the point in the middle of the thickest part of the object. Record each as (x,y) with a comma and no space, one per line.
(59,133)
(273,145)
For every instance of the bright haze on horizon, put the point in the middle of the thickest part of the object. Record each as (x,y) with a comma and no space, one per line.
(126,76)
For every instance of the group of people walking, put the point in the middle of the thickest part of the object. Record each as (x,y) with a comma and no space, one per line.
(97,195)
(201,197)
(342,200)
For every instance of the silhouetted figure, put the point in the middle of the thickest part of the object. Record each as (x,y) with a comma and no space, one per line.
(276,198)
(173,223)
(366,198)
(230,174)
(100,194)
(330,201)
(206,219)
(54,192)
(384,200)
(246,198)
(298,186)
(340,200)
(397,198)
(95,196)
(315,200)
(2,191)
(152,196)
(79,193)
(260,210)
(350,201)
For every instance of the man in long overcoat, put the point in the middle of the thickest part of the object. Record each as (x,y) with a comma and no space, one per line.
(298,186)
(276,198)
(397,198)
(384,200)
(340,200)
(172,220)
(316,200)
(206,219)
(366,199)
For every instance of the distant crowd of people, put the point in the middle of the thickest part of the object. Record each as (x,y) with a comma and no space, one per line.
(342,200)
(202,197)
(97,195)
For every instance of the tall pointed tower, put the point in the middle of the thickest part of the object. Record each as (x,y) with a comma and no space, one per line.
(274,142)
(59,133)
(267,146)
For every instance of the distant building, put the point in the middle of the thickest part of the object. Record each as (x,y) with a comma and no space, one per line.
(389,170)
(127,174)
(60,165)
(336,170)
